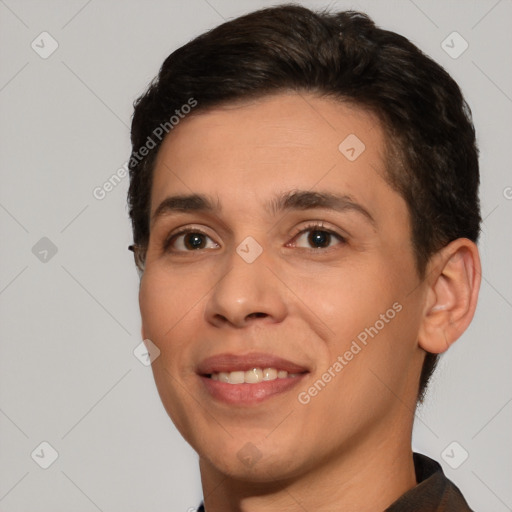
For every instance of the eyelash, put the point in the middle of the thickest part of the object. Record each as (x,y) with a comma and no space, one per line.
(318,226)
(315,226)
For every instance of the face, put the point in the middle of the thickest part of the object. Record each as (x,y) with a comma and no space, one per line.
(276,245)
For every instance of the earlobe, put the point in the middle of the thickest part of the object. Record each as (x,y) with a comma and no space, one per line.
(455,275)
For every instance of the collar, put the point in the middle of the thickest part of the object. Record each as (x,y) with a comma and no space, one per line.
(433,492)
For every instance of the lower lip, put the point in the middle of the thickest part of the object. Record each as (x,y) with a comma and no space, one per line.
(249,394)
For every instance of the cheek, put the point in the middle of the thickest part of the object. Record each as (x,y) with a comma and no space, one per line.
(345,299)
(169,306)
(167,301)
(367,320)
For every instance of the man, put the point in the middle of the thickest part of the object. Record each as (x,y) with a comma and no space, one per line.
(304,202)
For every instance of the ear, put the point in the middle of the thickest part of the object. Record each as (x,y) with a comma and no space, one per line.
(454,276)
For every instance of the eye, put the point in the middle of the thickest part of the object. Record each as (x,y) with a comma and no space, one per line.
(317,237)
(188,240)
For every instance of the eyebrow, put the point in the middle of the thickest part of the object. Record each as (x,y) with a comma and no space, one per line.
(289,201)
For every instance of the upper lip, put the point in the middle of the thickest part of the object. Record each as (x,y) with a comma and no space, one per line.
(235,362)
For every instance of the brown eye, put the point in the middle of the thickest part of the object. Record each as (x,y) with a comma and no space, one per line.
(319,239)
(188,241)
(316,238)
(194,241)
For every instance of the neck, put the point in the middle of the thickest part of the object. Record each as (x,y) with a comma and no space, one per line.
(366,478)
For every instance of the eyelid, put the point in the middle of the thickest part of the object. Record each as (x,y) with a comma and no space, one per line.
(318,226)
(183,231)
(310,226)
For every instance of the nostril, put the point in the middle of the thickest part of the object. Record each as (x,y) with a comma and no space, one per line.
(256,315)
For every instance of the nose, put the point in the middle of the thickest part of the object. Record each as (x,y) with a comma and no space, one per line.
(246,293)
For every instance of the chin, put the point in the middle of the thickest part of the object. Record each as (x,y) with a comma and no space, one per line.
(248,462)
(265,470)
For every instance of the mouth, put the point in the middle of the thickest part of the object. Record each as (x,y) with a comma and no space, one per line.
(249,379)
(252,376)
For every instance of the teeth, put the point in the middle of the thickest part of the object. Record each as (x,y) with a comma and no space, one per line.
(269,374)
(252,376)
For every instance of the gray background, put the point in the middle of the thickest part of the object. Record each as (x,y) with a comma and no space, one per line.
(69,321)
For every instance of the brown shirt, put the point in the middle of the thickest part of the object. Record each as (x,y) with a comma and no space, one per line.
(433,492)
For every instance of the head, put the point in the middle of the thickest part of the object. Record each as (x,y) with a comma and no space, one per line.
(289,102)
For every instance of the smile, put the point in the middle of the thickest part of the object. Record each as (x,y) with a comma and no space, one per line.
(253,376)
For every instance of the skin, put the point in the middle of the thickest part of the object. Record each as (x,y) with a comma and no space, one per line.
(349,448)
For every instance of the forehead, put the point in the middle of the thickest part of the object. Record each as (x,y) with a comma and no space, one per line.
(247,150)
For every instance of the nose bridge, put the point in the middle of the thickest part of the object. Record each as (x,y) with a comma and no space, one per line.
(247,290)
